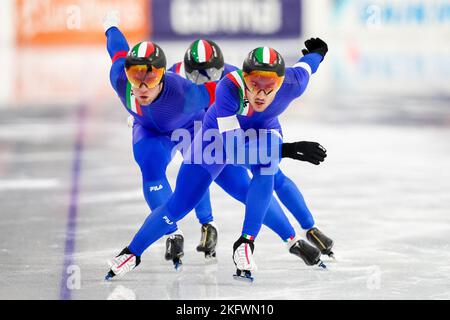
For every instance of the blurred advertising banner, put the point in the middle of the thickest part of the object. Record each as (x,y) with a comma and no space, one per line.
(236,19)
(389,16)
(382,46)
(51,76)
(75,22)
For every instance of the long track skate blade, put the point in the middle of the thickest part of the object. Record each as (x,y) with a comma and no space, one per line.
(109,276)
(178,265)
(322,265)
(331,255)
(210,258)
(245,276)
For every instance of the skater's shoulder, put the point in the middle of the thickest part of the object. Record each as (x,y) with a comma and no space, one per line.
(231,83)
(174,84)
(171,78)
(228,68)
(175,67)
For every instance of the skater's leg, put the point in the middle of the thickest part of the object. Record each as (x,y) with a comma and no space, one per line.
(209,231)
(235,181)
(203,209)
(276,220)
(260,192)
(192,182)
(153,157)
(291,197)
(258,199)
(153,154)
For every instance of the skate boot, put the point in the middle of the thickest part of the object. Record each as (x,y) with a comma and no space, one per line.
(123,263)
(309,254)
(243,259)
(321,241)
(208,242)
(174,250)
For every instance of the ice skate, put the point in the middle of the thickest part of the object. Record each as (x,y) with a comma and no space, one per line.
(308,253)
(123,263)
(174,250)
(321,241)
(208,242)
(243,259)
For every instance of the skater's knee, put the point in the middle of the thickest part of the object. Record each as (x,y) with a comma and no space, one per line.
(154,175)
(178,209)
(279,180)
(151,156)
(263,179)
(237,190)
(153,169)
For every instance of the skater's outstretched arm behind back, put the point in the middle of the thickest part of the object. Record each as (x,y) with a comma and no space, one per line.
(117,46)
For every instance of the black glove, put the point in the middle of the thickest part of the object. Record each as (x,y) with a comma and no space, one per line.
(304,151)
(315,45)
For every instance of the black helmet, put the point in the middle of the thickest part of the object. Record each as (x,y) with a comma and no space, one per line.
(146,53)
(145,63)
(264,59)
(203,61)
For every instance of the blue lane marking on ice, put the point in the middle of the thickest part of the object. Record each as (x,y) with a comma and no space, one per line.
(65,291)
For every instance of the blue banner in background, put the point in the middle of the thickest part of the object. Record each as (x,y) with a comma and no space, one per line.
(183,19)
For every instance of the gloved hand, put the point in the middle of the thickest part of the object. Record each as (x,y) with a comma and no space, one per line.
(315,45)
(111,19)
(304,151)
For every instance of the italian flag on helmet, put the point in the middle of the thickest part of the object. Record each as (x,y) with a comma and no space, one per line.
(203,54)
(264,59)
(202,51)
(143,49)
(146,53)
(266,55)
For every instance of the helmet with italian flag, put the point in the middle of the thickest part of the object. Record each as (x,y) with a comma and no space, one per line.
(264,59)
(145,64)
(263,70)
(203,61)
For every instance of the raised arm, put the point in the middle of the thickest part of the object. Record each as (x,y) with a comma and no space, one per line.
(299,74)
(117,46)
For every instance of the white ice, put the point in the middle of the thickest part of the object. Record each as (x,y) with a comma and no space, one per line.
(383,195)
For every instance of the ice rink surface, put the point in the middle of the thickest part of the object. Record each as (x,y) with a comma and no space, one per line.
(70,199)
